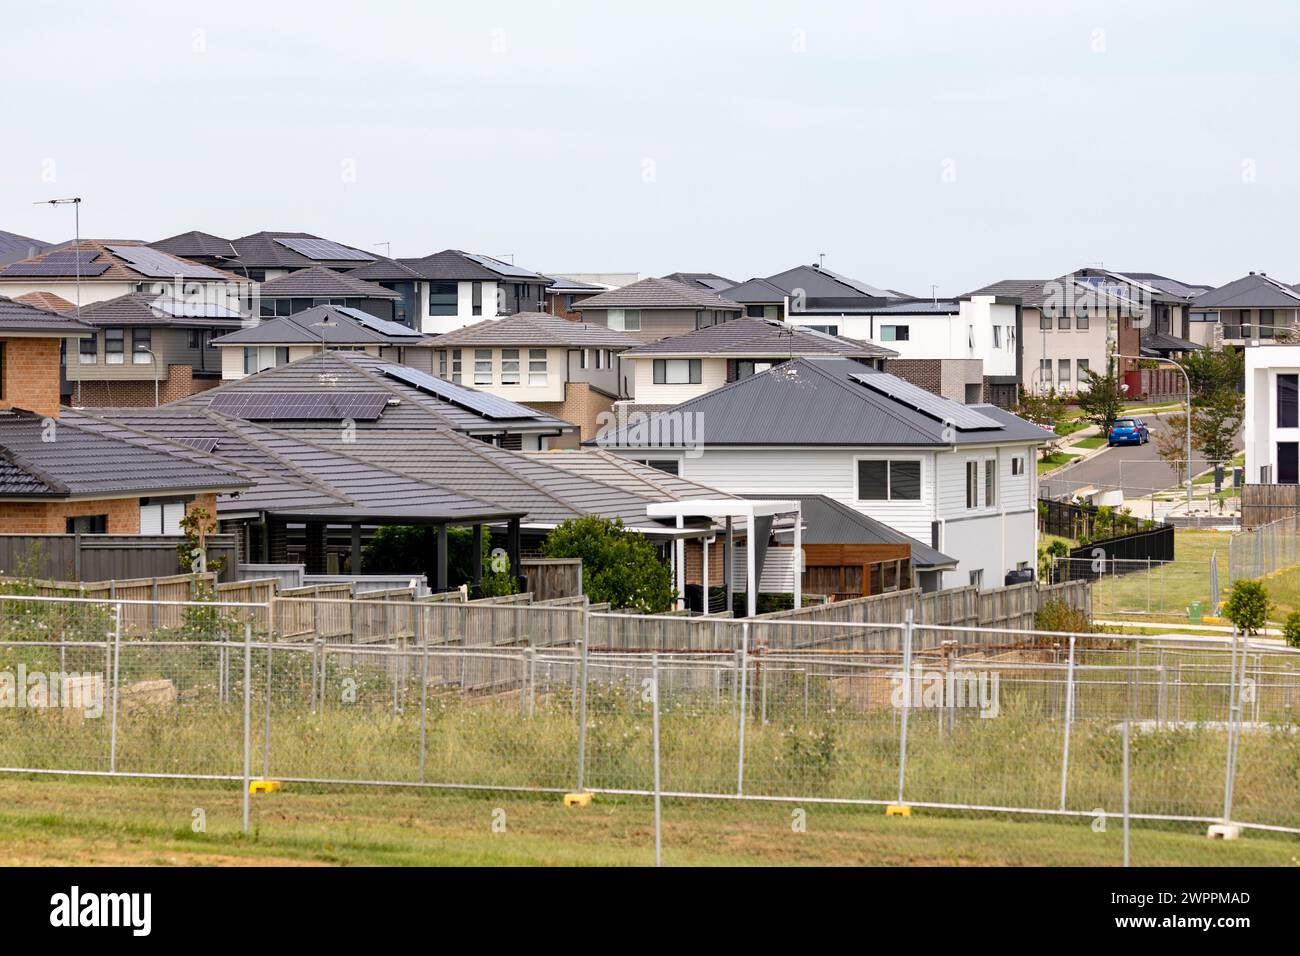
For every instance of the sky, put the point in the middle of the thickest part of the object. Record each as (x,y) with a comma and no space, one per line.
(913,145)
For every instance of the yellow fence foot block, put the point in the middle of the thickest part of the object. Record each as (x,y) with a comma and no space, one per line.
(577,799)
(893,810)
(263,786)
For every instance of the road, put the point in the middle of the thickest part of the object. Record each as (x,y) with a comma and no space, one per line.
(1137,469)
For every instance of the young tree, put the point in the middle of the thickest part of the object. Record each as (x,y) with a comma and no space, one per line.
(1247,606)
(1170,439)
(1215,421)
(1102,402)
(618,566)
(1046,410)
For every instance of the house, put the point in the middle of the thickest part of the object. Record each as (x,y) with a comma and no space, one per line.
(959,477)
(321,285)
(572,370)
(708,281)
(673,370)
(263,256)
(14,247)
(148,349)
(655,309)
(406,396)
(1253,309)
(1271,429)
(96,270)
(563,292)
(451,289)
(56,477)
(288,338)
(808,288)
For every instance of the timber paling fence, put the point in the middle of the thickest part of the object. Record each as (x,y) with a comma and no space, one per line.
(967,720)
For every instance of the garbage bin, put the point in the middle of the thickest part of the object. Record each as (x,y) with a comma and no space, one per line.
(1194,612)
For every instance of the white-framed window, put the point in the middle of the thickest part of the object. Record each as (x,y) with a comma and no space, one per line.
(88,350)
(600,357)
(482,366)
(1045,370)
(1063,371)
(894,333)
(977,578)
(1017,465)
(509,366)
(455,366)
(624,320)
(678,371)
(114,340)
(161,515)
(537,366)
(882,479)
(972,484)
(141,346)
(1081,366)
(990,482)
(997,336)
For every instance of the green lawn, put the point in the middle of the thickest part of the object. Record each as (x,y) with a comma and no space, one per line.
(1095,441)
(55,821)
(1055,460)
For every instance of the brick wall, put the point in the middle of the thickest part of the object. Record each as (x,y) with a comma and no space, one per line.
(138,393)
(50,517)
(581,405)
(31,375)
(923,373)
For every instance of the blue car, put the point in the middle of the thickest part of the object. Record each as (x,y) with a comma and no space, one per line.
(1128,431)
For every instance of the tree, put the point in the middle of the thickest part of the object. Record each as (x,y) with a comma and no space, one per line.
(1101,403)
(1170,439)
(1209,372)
(1291,630)
(409,549)
(1247,606)
(619,567)
(1046,410)
(1216,420)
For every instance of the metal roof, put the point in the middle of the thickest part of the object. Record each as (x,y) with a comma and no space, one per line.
(814,402)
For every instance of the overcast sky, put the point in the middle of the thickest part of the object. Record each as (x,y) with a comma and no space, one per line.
(911,143)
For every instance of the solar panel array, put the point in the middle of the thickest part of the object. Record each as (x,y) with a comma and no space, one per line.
(205,445)
(160,265)
(505,268)
(289,406)
(489,406)
(323,250)
(62,263)
(376,324)
(962,417)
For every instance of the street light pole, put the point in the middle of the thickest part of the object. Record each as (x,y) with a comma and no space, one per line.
(1188,383)
(75,202)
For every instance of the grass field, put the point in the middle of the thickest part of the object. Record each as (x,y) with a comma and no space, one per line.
(57,821)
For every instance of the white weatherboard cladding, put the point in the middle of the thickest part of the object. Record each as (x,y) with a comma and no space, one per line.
(713,375)
(777,576)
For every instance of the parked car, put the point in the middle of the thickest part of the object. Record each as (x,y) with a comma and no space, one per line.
(1128,431)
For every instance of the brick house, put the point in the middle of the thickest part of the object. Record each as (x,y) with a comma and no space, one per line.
(56,477)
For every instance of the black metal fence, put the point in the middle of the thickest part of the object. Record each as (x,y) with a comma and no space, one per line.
(1122,554)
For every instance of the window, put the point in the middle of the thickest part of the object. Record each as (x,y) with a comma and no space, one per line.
(747,367)
(509,366)
(1017,466)
(990,482)
(476,298)
(1045,321)
(88,350)
(1081,320)
(678,371)
(537,366)
(1288,401)
(482,366)
(161,515)
(1045,370)
(87,524)
(972,484)
(443,298)
(1063,321)
(977,578)
(670,466)
(582,358)
(1081,366)
(827,329)
(997,336)
(113,339)
(624,320)
(1266,329)
(894,333)
(141,342)
(754,311)
(455,366)
(259,359)
(1063,371)
(1288,463)
(196,338)
(1204,317)
(889,480)
(442,363)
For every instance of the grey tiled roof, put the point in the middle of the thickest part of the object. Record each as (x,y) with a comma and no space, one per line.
(658,294)
(827,521)
(453,265)
(14,247)
(82,462)
(357,371)
(817,402)
(1249,292)
(760,338)
(139,308)
(28,319)
(319,281)
(814,281)
(261,251)
(305,328)
(537,328)
(708,281)
(189,245)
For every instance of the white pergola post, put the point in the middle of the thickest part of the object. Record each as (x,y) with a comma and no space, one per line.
(751,586)
(796,559)
(680,549)
(704,544)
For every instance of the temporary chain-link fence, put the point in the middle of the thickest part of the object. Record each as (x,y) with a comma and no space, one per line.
(1264,550)
(1188,590)
(1103,749)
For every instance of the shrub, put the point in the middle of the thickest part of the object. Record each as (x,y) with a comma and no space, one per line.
(619,566)
(1247,606)
(1056,615)
(1291,629)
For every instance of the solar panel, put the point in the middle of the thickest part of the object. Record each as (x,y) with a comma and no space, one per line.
(324,250)
(505,268)
(288,406)
(962,417)
(194,310)
(62,263)
(160,265)
(206,445)
(382,326)
(489,406)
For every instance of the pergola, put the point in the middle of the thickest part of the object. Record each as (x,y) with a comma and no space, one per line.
(757,516)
